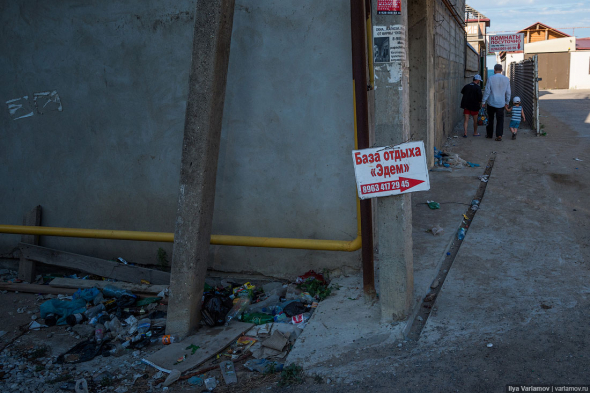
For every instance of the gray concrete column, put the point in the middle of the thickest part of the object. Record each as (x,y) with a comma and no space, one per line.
(421,62)
(200,150)
(394,214)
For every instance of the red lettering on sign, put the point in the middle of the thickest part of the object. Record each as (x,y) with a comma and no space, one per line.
(357,158)
(377,157)
(418,152)
(387,172)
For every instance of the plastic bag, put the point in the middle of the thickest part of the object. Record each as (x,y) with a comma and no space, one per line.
(87,294)
(63,308)
(215,309)
(482,117)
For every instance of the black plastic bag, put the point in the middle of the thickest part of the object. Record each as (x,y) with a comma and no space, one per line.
(294,308)
(215,308)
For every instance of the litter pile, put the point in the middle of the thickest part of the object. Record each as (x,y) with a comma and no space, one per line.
(445,162)
(247,331)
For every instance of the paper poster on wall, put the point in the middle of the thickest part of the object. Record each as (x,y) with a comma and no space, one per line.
(389,44)
(389,7)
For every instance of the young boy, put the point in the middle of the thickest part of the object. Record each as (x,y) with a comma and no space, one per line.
(517,114)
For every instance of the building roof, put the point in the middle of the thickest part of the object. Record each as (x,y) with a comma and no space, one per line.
(473,15)
(582,43)
(544,26)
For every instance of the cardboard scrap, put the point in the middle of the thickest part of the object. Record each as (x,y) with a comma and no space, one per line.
(211,340)
(277,341)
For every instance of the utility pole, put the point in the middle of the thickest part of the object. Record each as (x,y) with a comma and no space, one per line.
(394,213)
(200,150)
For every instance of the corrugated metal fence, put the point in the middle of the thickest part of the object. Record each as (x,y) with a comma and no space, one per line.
(524,82)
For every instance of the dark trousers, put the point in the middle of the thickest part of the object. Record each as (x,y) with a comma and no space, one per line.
(499,113)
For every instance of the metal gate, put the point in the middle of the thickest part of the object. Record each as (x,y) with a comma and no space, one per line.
(524,82)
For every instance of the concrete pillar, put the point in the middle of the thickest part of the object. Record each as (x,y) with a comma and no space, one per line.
(421,62)
(200,150)
(394,214)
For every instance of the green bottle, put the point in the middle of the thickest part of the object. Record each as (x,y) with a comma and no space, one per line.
(257,318)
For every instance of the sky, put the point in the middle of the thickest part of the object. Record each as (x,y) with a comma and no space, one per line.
(516,15)
(509,15)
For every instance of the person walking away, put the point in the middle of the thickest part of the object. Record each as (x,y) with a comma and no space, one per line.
(517,114)
(471,102)
(497,97)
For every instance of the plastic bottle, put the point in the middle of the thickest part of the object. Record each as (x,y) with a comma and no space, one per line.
(94,311)
(75,319)
(461,234)
(240,304)
(257,318)
(167,339)
(51,320)
(99,332)
(143,326)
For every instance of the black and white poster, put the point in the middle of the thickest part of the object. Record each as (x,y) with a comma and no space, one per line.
(389,44)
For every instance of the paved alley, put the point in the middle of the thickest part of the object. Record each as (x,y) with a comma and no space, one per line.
(520,281)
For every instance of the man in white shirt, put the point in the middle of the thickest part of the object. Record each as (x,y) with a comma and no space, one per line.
(497,96)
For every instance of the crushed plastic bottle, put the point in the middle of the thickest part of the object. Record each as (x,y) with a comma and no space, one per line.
(228,372)
(461,234)
(210,384)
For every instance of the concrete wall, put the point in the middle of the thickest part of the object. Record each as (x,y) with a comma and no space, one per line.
(580,70)
(110,158)
(449,63)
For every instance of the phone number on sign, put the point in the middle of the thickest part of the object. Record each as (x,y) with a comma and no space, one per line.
(382,187)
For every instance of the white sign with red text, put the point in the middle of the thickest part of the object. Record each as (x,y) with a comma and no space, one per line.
(506,43)
(394,170)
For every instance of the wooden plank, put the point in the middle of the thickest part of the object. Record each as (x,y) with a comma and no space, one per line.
(49,290)
(210,340)
(76,283)
(35,288)
(26,267)
(93,265)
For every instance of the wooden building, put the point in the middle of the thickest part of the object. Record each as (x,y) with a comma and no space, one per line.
(541,32)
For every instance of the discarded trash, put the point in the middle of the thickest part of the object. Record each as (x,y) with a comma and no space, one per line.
(277,341)
(62,308)
(310,275)
(81,386)
(34,325)
(448,253)
(143,326)
(490,345)
(210,384)
(169,339)
(51,320)
(263,365)
(99,332)
(87,294)
(433,205)
(82,352)
(228,372)
(239,306)
(215,309)
(257,318)
(294,308)
(193,348)
(172,377)
(474,208)
(461,234)
(475,202)
(195,381)
(577,159)
(472,165)
(436,230)
(484,178)
(435,283)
